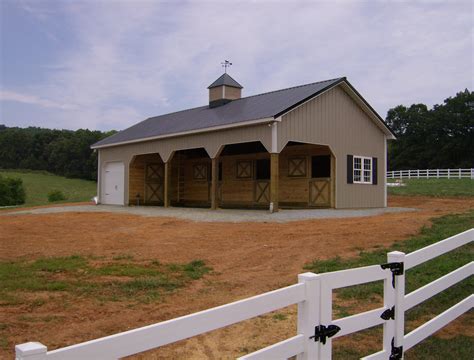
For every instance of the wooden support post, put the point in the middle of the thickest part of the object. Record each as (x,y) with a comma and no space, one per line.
(274,179)
(166,185)
(214,180)
(333,182)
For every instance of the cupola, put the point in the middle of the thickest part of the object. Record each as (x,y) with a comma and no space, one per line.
(224,90)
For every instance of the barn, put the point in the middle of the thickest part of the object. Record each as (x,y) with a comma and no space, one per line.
(319,145)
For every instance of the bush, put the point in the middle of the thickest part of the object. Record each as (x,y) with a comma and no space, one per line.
(56,195)
(11,191)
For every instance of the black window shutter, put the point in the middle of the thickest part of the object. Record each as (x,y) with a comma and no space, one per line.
(350,169)
(374,171)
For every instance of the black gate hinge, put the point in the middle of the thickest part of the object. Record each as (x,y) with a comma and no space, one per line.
(397,351)
(321,332)
(396,268)
(388,314)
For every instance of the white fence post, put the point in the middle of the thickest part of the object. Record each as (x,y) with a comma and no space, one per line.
(399,257)
(308,314)
(472,173)
(30,351)
(388,303)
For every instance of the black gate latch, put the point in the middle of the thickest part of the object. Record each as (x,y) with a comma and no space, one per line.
(388,314)
(322,332)
(397,351)
(395,267)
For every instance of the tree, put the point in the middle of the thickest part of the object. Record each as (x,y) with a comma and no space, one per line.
(441,137)
(62,152)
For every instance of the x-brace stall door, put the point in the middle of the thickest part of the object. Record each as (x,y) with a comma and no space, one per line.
(154,184)
(320,192)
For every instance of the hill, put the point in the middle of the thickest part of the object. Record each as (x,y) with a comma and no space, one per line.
(39,183)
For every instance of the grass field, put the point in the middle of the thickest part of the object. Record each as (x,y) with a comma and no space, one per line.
(434,187)
(117,279)
(39,183)
(421,275)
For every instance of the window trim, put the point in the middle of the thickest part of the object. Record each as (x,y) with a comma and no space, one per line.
(361,169)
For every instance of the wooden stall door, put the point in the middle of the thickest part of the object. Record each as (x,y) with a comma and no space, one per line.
(320,192)
(154,184)
(262,191)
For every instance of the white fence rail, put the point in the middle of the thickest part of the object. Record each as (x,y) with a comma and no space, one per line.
(431,174)
(315,327)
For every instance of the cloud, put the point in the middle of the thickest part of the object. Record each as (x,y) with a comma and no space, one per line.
(131,60)
(33,100)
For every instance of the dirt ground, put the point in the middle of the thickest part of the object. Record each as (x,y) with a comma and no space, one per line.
(247,259)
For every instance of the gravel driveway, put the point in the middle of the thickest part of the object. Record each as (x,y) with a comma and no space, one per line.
(220,215)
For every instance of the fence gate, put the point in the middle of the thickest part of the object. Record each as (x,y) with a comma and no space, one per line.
(320,192)
(154,184)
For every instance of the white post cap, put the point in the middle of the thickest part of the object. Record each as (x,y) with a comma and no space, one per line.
(30,349)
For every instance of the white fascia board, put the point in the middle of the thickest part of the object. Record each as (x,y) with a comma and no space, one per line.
(191,132)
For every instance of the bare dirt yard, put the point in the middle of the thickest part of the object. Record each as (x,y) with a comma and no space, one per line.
(246,259)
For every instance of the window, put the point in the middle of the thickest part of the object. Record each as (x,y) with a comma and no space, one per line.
(362,170)
(244,169)
(200,172)
(263,169)
(321,166)
(297,167)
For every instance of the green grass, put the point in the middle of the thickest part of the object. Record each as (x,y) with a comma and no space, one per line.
(435,187)
(459,347)
(82,276)
(279,317)
(39,183)
(442,228)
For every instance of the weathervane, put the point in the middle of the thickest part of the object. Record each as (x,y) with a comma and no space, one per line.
(225,65)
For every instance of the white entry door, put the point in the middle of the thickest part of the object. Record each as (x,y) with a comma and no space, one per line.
(113,183)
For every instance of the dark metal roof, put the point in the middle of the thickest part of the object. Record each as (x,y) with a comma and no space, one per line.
(227,80)
(267,105)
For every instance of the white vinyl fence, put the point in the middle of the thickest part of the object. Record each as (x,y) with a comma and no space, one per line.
(315,329)
(431,174)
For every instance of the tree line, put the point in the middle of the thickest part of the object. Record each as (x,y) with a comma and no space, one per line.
(61,152)
(441,137)
(437,138)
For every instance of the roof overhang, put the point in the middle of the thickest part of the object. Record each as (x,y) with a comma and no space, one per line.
(190,132)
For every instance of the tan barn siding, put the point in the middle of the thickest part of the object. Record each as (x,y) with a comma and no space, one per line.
(211,141)
(232,93)
(334,119)
(215,93)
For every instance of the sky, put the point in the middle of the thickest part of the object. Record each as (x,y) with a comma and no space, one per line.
(106,65)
